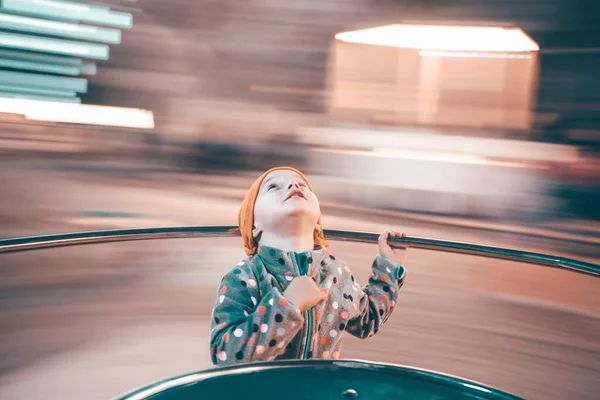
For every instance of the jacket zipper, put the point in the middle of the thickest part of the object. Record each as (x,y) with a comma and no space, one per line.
(303,269)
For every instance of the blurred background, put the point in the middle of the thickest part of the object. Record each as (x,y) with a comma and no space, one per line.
(463,120)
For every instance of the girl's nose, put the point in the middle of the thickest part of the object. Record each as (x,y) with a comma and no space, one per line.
(294,184)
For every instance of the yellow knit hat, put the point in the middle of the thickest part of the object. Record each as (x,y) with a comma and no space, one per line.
(246,213)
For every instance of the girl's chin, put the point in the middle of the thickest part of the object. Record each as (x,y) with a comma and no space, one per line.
(297,212)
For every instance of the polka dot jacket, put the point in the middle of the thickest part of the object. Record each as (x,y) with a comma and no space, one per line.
(253,321)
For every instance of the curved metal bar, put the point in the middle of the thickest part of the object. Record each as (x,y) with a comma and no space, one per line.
(400,375)
(121,235)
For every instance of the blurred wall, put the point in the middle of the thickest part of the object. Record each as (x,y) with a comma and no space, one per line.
(187,59)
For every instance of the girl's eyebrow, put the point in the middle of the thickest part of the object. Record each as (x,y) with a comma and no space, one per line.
(268,180)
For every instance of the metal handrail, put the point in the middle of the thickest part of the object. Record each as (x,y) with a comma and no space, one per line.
(121,235)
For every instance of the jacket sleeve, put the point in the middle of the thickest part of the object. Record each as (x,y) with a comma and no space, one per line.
(248,325)
(378,298)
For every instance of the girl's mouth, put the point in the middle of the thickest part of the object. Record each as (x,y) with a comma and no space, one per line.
(295,192)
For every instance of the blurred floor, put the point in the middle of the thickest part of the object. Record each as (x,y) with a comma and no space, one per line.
(94,321)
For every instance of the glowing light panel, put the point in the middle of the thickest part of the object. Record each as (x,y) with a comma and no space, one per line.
(78,113)
(452,38)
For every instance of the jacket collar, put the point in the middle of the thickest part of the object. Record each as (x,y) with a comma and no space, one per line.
(283,263)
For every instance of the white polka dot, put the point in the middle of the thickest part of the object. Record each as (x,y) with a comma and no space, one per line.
(335,305)
(240,264)
(251,283)
(280,331)
(329,284)
(222,356)
(260,349)
(238,333)
(289,277)
(221,298)
(281,345)
(246,313)
(388,270)
(264,328)
(333,333)
(340,271)
(254,300)
(271,302)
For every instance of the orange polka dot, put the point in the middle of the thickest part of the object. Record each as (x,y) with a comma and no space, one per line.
(324,341)
(224,289)
(248,341)
(221,326)
(383,299)
(313,272)
(281,284)
(260,292)
(392,310)
(226,337)
(318,317)
(213,351)
(336,355)
(345,315)
(283,302)
(324,252)
(385,278)
(325,354)
(324,290)
(354,307)
(261,310)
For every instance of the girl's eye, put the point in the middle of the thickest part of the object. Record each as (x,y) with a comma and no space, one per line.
(271,186)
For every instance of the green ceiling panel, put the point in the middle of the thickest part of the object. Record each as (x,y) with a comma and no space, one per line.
(69,11)
(36,91)
(31,66)
(11,95)
(64,29)
(43,81)
(88,68)
(40,58)
(58,46)
(46,44)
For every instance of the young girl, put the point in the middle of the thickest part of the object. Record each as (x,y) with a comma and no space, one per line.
(290,299)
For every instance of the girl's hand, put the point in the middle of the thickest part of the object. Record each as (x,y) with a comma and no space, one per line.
(395,255)
(304,293)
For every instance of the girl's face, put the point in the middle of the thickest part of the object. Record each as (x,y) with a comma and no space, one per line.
(283,196)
